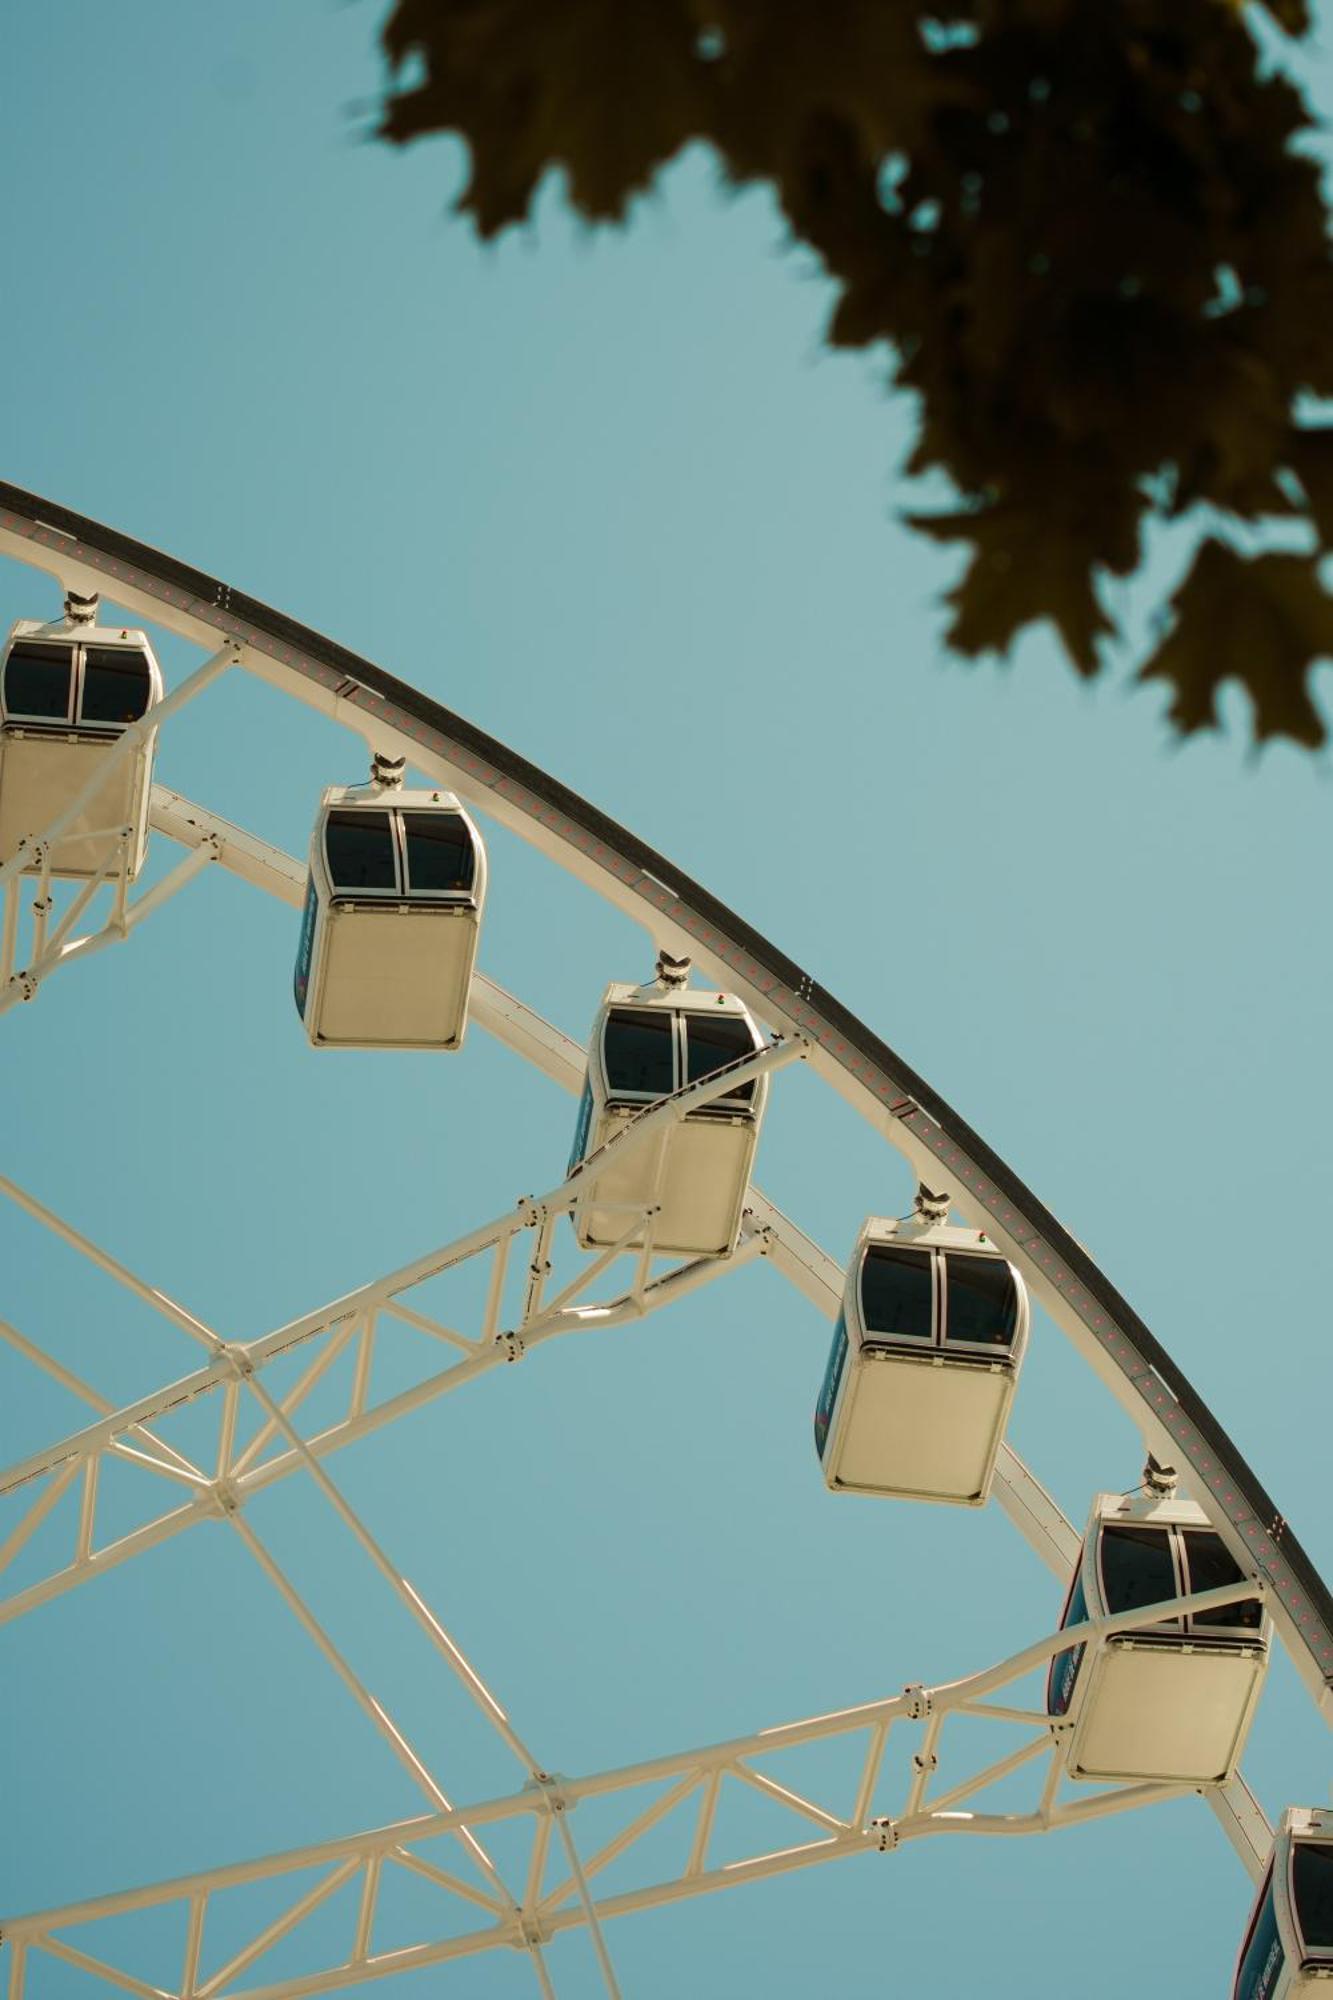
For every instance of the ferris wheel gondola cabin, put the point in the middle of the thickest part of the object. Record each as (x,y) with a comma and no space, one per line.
(648,1042)
(1288,1946)
(924,1364)
(69,691)
(392,917)
(1174,1700)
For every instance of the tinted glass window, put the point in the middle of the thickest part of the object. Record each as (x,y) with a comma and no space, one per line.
(116,685)
(439,851)
(1064,1667)
(359,846)
(1211,1564)
(1136,1567)
(37,681)
(712,1041)
(638,1046)
(1312,1882)
(896,1292)
(828,1394)
(983,1300)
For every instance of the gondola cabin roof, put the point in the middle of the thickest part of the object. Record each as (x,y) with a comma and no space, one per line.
(76,678)
(651,1040)
(934,1284)
(1166,1546)
(680,999)
(377,843)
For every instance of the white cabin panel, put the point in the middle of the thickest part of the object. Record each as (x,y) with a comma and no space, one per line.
(924,1428)
(704,1172)
(1155,1711)
(394,978)
(41,776)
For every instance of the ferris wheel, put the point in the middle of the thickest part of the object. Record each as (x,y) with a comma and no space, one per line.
(1175,1592)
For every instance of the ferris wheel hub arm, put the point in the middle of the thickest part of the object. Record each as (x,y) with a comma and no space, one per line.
(692,1775)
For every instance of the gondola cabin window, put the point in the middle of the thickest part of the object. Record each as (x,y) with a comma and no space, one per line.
(639,1047)
(39,683)
(1312,1893)
(898,1293)
(116,688)
(362,852)
(441,857)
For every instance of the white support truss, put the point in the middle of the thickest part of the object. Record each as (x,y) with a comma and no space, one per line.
(895,1801)
(766,1231)
(356,1319)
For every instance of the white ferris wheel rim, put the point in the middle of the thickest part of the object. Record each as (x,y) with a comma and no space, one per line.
(944,1152)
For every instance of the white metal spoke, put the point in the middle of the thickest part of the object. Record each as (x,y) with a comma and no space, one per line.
(280,1419)
(405,1592)
(368,1703)
(58,1480)
(84,1962)
(585,1898)
(432,1328)
(160,1301)
(67,1379)
(194,1944)
(280,1928)
(611,1851)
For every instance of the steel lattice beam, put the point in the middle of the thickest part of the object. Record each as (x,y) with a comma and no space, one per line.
(691,1781)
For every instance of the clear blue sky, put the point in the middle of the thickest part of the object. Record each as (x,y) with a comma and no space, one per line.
(607,497)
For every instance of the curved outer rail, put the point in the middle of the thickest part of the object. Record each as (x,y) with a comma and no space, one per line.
(943,1150)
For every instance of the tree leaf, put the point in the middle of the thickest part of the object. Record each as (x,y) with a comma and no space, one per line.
(1024,568)
(607,89)
(1261,620)
(1310,455)
(1092,237)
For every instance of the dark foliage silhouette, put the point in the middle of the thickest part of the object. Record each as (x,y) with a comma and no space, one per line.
(1092,233)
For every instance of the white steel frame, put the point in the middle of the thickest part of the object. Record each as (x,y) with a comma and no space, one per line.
(349,1328)
(688,1781)
(90,560)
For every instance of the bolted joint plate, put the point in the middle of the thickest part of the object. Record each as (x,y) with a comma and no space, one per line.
(551,1785)
(226,1497)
